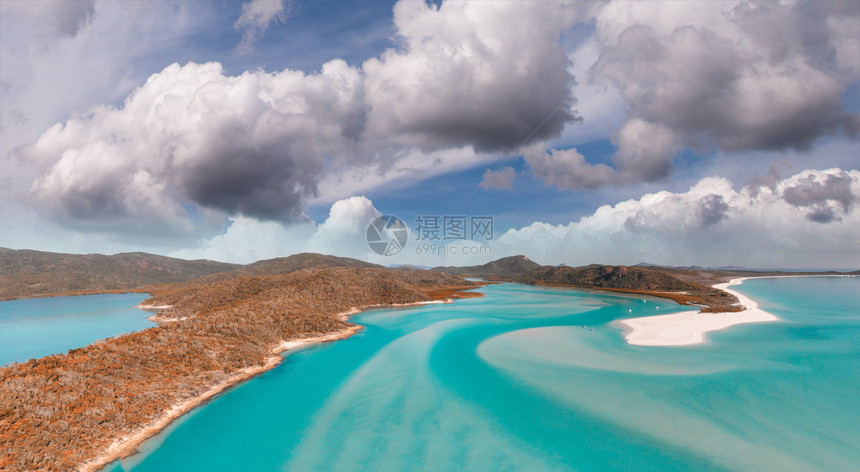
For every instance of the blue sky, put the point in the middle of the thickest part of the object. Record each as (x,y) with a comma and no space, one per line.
(709,133)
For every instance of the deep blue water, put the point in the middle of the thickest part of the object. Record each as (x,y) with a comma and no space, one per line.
(517,380)
(38,327)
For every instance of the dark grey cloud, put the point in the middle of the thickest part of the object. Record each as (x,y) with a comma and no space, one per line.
(69,17)
(267,184)
(253,145)
(708,88)
(713,209)
(497,80)
(823,198)
(823,215)
(195,140)
(769,180)
(733,76)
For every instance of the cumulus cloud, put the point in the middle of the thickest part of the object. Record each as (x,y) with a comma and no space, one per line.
(252,145)
(466,83)
(344,232)
(258,144)
(645,152)
(247,239)
(60,57)
(491,75)
(713,209)
(501,179)
(730,75)
(712,223)
(567,168)
(737,75)
(823,196)
(256,17)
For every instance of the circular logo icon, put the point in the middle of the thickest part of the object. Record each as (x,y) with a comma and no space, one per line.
(387,235)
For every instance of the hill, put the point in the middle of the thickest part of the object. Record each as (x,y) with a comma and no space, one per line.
(26,273)
(286,265)
(601,276)
(640,280)
(687,287)
(60,411)
(506,268)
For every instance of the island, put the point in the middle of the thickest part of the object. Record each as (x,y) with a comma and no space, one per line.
(221,324)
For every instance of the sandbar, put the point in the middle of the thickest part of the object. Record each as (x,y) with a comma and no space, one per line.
(689,327)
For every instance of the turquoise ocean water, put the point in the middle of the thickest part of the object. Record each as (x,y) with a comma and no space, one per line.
(517,380)
(39,327)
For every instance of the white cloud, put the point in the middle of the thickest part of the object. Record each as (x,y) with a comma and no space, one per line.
(343,233)
(249,240)
(258,144)
(567,168)
(808,220)
(256,17)
(395,172)
(811,219)
(59,57)
(253,144)
(466,83)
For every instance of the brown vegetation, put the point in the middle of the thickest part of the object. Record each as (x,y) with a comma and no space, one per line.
(28,273)
(685,287)
(505,268)
(60,411)
(636,280)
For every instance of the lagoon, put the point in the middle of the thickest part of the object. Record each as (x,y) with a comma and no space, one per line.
(530,378)
(37,327)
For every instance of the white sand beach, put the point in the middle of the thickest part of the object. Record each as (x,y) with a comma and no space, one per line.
(143,306)
(690,327)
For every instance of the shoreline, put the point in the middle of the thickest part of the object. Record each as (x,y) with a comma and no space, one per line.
(690,327)
(159,318)
(128,445)
(143,306)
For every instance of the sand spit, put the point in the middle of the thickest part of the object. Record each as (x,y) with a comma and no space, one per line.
(690,327)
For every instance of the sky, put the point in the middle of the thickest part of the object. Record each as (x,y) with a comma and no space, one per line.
(710,133)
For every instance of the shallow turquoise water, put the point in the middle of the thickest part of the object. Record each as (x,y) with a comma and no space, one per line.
(39,327)
(513,381)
